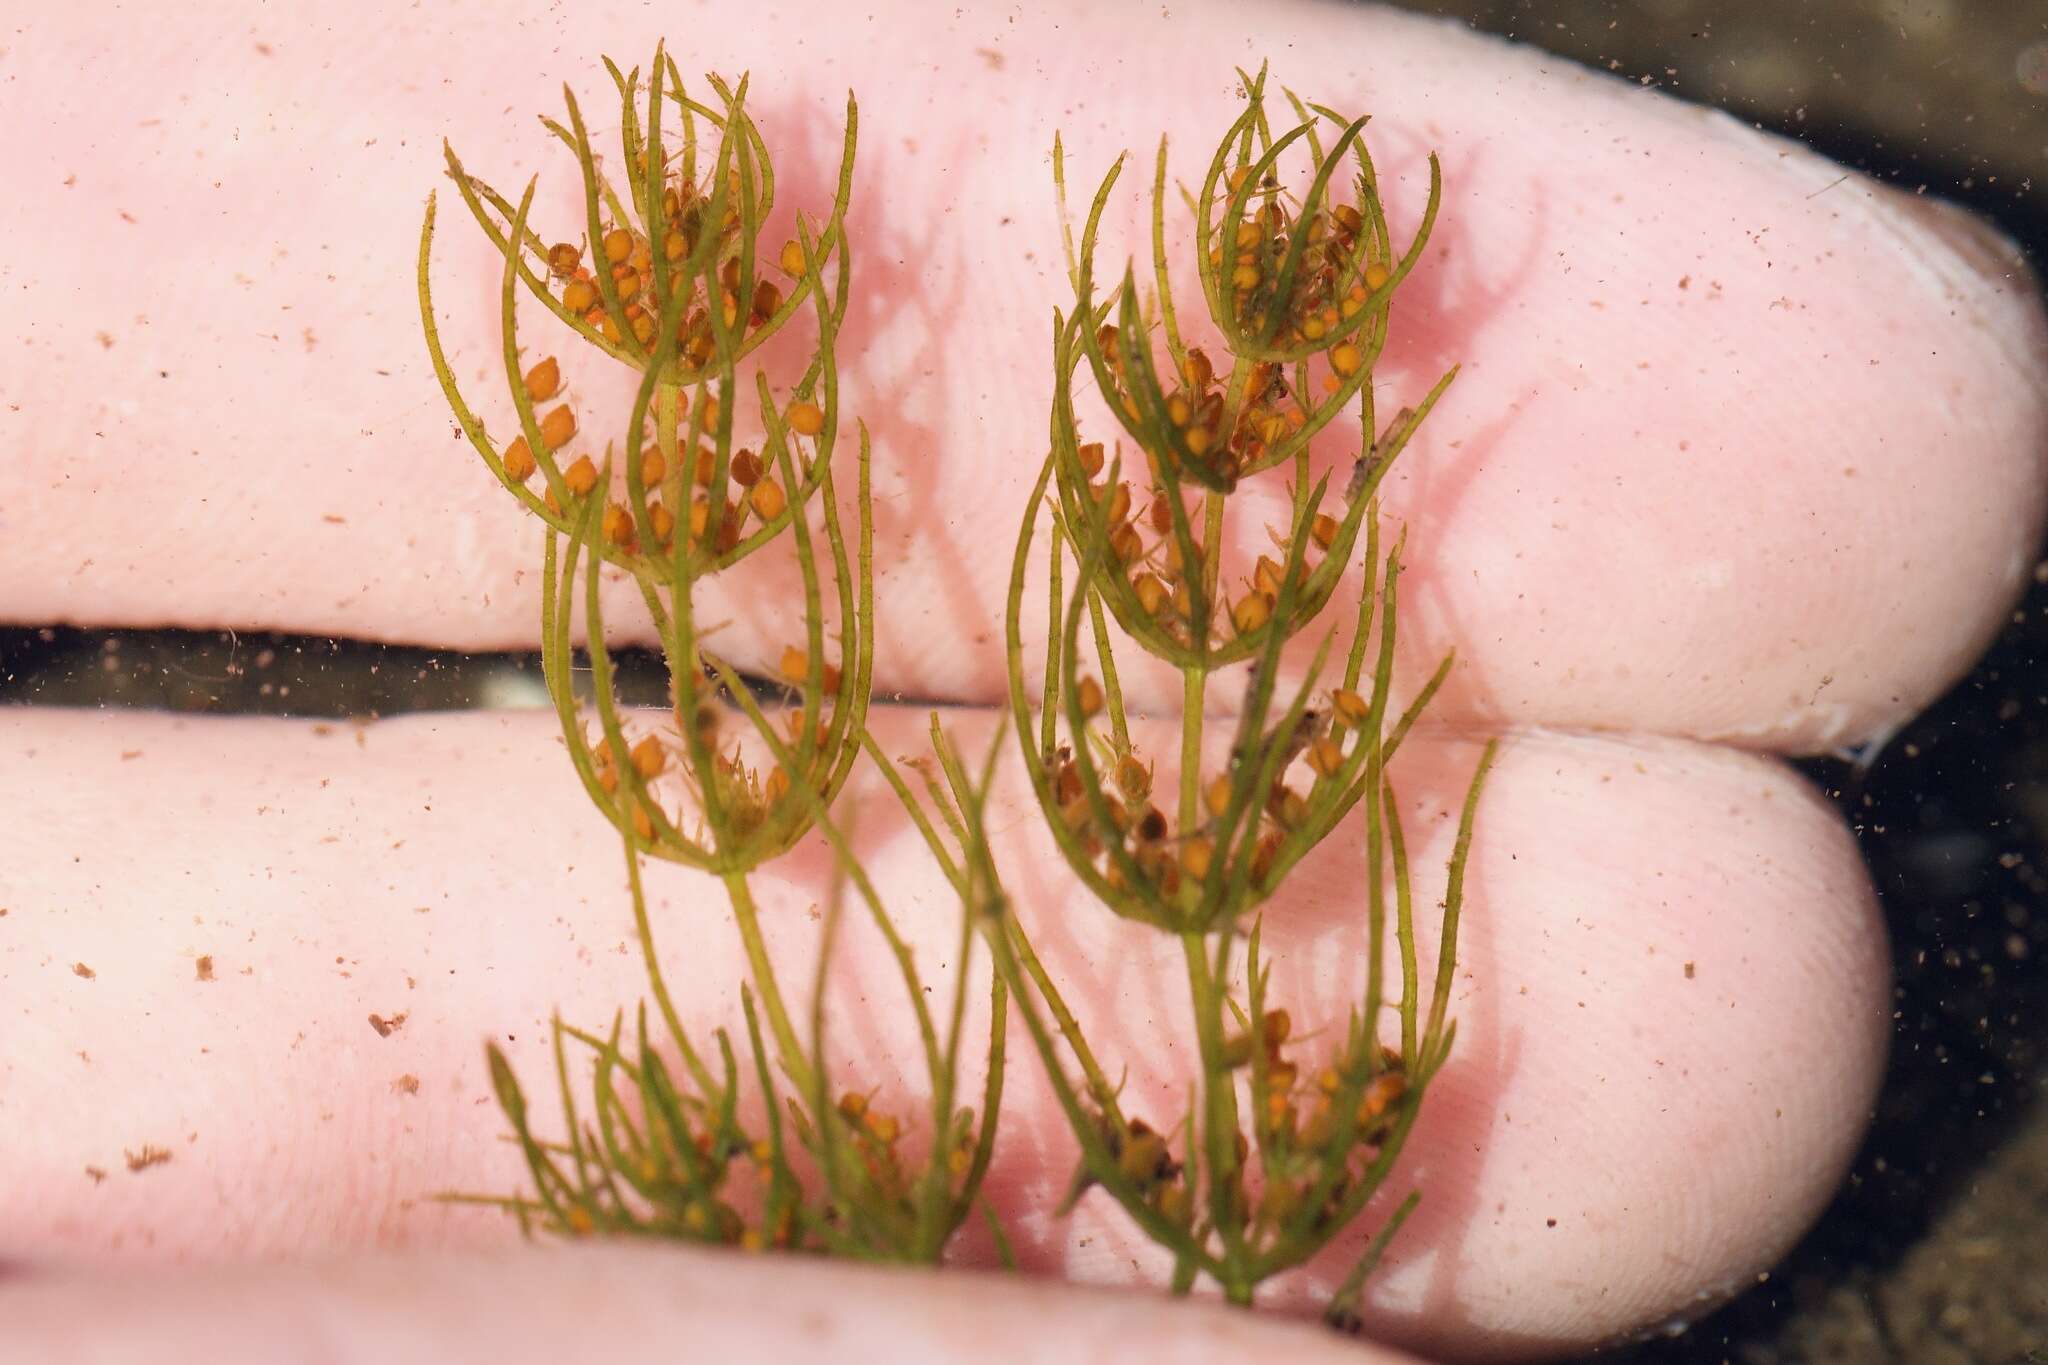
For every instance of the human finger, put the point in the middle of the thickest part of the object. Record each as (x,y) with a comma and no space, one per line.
(231,1040)
(619,1303)
(1744,447)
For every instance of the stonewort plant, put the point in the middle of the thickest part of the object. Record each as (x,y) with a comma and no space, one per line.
(667,275)
(1277,1152)
(1284,1138)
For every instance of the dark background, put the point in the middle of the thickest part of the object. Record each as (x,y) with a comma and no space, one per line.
(1937,1248)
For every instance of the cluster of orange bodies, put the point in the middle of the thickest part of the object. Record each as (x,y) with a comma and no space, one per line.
(1145,549)
(1146,834)
(627,256)
(874,1135)
(760,495)
(1229,438)
(1297,1115)
(745,795)
(628,259)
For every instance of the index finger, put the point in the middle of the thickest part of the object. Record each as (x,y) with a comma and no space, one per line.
(1743,448)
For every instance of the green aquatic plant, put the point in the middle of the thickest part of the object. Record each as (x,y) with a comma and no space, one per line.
(1275,1155)
(1285,1137)
(671,279)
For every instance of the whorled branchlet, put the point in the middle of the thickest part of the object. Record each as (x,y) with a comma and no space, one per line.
(670,278)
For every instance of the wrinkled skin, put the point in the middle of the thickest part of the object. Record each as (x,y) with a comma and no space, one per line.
(1736,467)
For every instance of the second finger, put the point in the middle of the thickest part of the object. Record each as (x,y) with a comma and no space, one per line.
(255,964)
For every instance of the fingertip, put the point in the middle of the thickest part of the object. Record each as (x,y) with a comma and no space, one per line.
(1674,1026)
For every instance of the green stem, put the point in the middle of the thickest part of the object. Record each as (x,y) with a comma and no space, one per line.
(1219,1102)
(1113,692)
(1212,551)
(698,1071)
(1194,682)
(1099,1087)
(748,918)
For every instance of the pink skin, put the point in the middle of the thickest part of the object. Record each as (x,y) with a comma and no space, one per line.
(1663,1045)
(1636,512)
(1742,449)
(633,1307)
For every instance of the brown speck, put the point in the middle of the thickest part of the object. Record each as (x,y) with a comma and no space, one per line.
(105,339)
(263,49)
(126,216)
(81,970)
(306,336)
(991,56)
(408,1084)
(386,1027)
(128,755)
(96,1173)
(203,968)
(149,1156)
(332,520)
(1685,281)
(1688,971)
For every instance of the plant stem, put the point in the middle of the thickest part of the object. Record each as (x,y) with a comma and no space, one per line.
(1219,1118)
(747,916)
(698,1071)
(1194,682)
(1212,549)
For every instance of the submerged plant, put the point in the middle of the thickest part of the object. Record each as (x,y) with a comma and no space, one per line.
(671,278)
(1281,1144)
(1284,1138)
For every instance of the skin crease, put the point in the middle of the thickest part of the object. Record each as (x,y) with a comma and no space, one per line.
(262,368)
